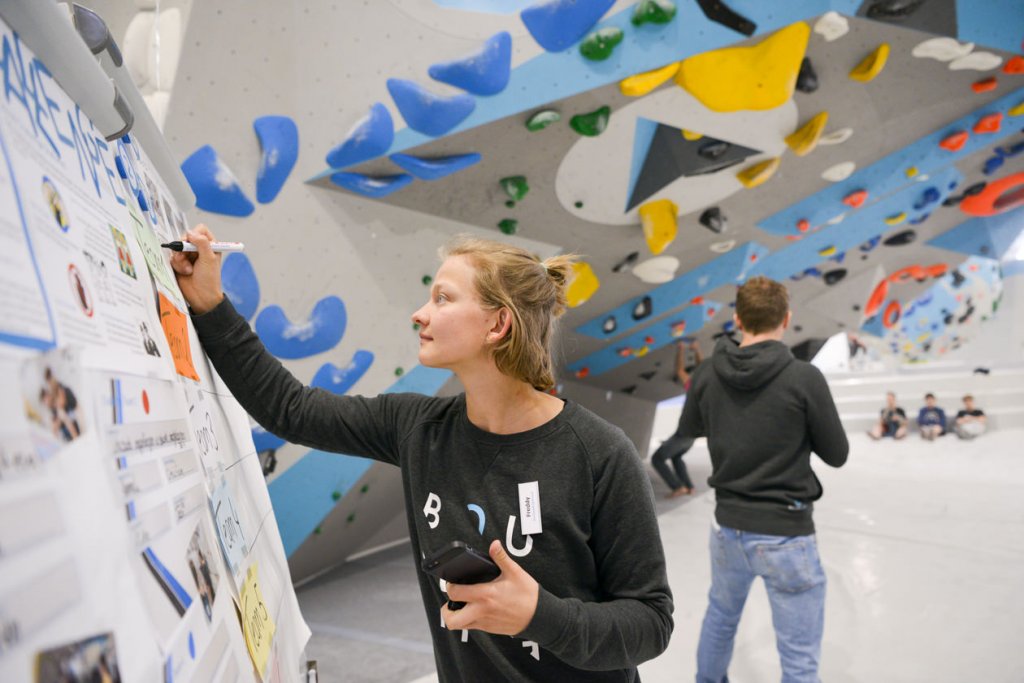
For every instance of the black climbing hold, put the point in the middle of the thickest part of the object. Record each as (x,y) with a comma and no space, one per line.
(642,309)
(719,12)
(649,375)
(856,307)
(714,220)
(713,149)
(797,328)
(958,278)
(976,188)
(834,276)
(631,389)
(901,239)
(609,325)
(807,79)
(630,259)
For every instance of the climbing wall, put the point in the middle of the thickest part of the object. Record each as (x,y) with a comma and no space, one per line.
(867,153)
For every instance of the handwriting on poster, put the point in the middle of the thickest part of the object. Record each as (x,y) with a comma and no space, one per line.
(257,625)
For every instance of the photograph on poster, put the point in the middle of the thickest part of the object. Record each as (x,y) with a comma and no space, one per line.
(50,392)
(148,343)
(56,204)
(202,565)
(79,290)
(100,277)
(124,254)
(91,659)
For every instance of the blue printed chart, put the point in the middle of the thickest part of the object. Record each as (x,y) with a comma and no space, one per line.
(134,516)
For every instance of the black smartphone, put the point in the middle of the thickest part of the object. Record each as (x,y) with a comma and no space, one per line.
(459,563)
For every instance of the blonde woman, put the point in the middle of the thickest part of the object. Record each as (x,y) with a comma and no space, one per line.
(585,596)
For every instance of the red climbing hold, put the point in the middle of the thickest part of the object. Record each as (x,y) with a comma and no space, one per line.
(985,84)
(954,142)
(1014,66)
(582,372)
(989,124)
(803,225)
(856,199)
(648,339)
(696,301)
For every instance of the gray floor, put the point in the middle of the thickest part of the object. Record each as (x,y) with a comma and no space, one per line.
(923,544)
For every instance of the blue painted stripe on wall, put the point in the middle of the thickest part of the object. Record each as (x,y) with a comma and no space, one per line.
(991,23)
(857,228)
(553,76)
(730,267)
(660,334)
(302,495)
(996,233)
(888,175)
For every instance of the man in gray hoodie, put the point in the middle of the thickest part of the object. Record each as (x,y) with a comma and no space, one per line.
(764,412)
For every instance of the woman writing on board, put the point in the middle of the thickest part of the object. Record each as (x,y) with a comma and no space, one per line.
(583,589)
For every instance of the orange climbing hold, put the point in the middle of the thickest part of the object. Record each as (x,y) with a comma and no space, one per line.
(1014,66)
(856,199)
(877,298)
(954,142)
(803,225)
(985,84)
(892,314)
(998,197)
(582,372)
(989,123)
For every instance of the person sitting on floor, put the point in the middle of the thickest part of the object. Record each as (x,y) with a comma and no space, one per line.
(675,447)
(892,421)
(931,419)
(971,421)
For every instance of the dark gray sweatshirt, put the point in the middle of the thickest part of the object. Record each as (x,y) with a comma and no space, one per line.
(604,604)
(764,412)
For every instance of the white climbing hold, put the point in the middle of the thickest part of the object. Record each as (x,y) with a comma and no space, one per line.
(836,220)
(832,26)
(836,137)
(942,49)
(657,270)
(722,247)
(839,172)
(978,61)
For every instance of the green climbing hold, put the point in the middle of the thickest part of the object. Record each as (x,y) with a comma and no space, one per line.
(399,372)
(316,530)
(336,495)
(598,45)
(427,280)
(653,12)
(542,120)
(515,186)
(508,225)
(578,205)
(591,124)
(366,487)
(510,204)
(351,518)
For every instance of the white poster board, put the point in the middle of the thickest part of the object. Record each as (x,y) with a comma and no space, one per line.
(136,532)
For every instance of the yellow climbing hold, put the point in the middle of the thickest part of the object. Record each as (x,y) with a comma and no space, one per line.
(912,171)
(803,140)
(642,351)
(643,83)
(871,65)
(584,284)
(759,173)
(759,77)
(691,136)
(1016,110)
(827,251)
(658,219)
(897,219)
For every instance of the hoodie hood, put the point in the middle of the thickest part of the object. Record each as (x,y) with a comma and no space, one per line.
(749,367)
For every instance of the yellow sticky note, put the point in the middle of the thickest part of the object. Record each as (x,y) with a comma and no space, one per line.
(257,626)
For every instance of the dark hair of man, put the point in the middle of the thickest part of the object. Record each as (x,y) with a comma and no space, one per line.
(929,395)
(761,305)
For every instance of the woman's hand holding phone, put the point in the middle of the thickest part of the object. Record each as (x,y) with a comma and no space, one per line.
(504,606)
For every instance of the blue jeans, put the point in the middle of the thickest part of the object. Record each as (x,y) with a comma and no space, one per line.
(795,583)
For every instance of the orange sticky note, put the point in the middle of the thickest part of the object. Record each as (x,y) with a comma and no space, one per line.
(175,326)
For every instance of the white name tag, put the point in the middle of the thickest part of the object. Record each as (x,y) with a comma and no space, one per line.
(529,508)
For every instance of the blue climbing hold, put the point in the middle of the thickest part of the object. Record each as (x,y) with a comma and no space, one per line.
(433,169)
(484,73)
(871,244)
(279,140)
(238,280)
(215,186)
(370,137)
(559,24)
(339,380)
(928,197)
(371,186)
(322,331)
(426,112)
(920,219)
(992,164)
(266,441)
